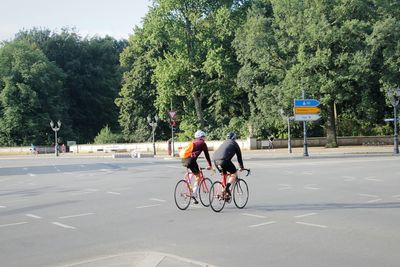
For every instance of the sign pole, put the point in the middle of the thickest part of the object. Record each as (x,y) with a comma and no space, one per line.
(172,134)
(305,146)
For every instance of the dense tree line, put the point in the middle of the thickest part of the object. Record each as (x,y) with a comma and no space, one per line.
(223,65)
(58,76)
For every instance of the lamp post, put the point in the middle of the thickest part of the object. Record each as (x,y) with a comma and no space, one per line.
(394,96)
(288,118)
(55,128)
(153,125)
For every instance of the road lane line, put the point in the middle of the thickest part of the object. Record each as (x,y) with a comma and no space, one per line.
(349,178)
(372,178)
(305,215)
(374,200)
(113,193)
(31,174)
(63,225)
(396,196)
(12,224)
(157,199)
(261,224)
(312,224)
(2,207)
(311,187)
(367,195)
(33,216)
(253,215)
(76,215)
(148,206)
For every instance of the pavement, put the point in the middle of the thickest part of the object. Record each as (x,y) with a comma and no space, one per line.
(139,259)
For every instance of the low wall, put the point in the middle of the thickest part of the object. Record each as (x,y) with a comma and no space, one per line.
(246,144)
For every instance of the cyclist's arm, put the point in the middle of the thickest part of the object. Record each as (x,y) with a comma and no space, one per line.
(239,156)
(205,149)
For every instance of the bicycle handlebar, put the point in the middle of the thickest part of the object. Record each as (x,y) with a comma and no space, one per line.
(247,170)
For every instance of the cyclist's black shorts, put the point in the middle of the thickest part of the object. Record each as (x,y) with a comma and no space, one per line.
(191,163)
(226,166)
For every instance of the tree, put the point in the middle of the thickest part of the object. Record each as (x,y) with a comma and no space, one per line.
(31,93)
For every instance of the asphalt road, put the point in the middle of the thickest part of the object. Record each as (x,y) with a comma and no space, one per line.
(86,211)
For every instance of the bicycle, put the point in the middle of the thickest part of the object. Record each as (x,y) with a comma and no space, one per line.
(240,193)
(184,190)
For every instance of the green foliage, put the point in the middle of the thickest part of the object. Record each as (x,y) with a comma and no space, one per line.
(106,136)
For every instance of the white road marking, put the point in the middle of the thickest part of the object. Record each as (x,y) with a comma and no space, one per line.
(63,225)
(374,200)
(261,224)
(305,215)
(396,196)
(75,215)
(148,206)
(33,216)
(253,215)
(25,169)
(157,199)
(285,188)
(307,172)
(12,224)
(31,174)
(173,166)
(312,224)
(2,207)
(113,193)
(92,190)
(372,178)
(367,195)
(311,187)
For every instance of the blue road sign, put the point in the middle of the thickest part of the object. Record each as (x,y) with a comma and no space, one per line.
(306,103)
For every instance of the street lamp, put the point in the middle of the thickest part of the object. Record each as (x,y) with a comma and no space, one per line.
(153,125)
(394,96)
(288,127)
(55,128)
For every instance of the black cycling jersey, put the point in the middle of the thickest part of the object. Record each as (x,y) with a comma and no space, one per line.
(227,151)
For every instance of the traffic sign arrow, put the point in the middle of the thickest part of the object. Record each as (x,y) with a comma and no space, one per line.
(307,110)
(306,103)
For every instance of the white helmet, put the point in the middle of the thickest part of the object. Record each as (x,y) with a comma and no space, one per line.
(199,134)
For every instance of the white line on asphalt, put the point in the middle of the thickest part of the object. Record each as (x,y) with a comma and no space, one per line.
(261,224)
(367,195)
(396,196)
(76,215)
(307,172)
(253,215)
(372,178)
(2,207)
(312,224)
(173,166)
(63,225)
(157,199)
(113,193)
(284,185)
(33,216)
(92,190)
(305,215)
(311,187)
(31,174)
(12,224)
(148,206)
(25,169)
(285,188)
(374,200)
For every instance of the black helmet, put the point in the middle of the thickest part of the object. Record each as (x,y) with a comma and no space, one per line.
(231,136)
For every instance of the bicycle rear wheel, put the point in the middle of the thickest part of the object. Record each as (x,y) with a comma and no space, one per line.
(240,193)
(182,195)
(204,192)
(217,200)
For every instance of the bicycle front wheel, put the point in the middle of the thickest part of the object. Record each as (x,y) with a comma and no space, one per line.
(240,193)
(204,191)
(217,200)
(182,195)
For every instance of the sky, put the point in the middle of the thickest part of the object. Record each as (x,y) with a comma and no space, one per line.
(116,18)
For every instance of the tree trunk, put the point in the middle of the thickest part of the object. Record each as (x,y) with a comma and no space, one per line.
(199,109)
(331,138)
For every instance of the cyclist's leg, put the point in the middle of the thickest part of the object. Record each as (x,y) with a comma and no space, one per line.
(230,168)
(194,167)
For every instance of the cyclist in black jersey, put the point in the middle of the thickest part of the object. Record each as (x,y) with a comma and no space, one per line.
(223,159)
